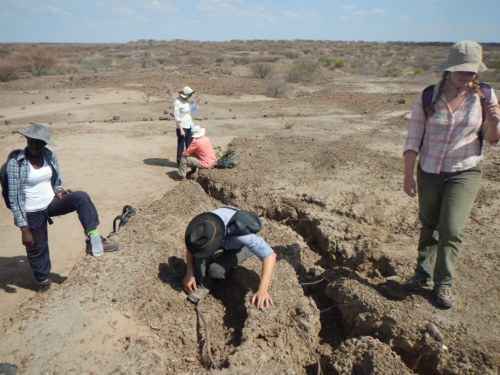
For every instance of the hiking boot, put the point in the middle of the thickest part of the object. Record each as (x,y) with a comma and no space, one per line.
(190,174)
(417,282)
(198,295)
(444,298)
(44,286)
(98,246)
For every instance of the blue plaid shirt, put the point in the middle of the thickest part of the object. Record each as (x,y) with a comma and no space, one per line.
(17,174)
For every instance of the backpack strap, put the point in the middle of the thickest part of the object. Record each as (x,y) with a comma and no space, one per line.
(485,100)
(428,97)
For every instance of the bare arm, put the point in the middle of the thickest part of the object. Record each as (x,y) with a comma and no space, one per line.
(262,299)
(492,124)
(410,185)
(189,281)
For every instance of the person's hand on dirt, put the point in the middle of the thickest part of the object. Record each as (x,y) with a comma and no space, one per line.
(262,300)
(410,186)
(189,283)
(62,192)
(27,237)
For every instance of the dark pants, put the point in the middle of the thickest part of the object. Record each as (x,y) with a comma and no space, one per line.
(182,142)
(218,267)
(38,255)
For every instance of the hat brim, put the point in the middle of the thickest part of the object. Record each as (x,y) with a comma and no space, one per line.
(199,134)
(203,252)
(476,67)
(185,96)
(29,135)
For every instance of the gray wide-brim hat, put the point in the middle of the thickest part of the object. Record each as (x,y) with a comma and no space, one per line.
(465,56)
(38,131)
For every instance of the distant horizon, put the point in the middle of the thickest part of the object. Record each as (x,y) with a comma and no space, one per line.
(248,40)
(125,21)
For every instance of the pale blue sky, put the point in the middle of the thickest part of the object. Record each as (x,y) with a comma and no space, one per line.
(120,21)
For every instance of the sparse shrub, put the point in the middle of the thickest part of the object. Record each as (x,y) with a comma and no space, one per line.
(302,70)
(394,70)
(8,70)
(126,64)
(289,124)
(38,61)
(240,60)
(325,61)
(339,63)
(291,54)
(418,70)
(196,60)
(277,88)
(496,65)
(261,70)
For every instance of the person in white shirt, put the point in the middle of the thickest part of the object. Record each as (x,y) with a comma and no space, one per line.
(183,120)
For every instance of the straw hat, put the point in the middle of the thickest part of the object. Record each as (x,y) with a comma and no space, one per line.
(198,132)
(465,56)
(186,91)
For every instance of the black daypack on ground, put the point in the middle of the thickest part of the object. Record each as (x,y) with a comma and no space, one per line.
(229,160)
(428,96)
(243,223)
(4,180)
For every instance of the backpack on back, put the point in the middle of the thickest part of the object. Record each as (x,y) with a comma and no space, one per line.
(229,160)
(243,222)
(4,179)
(428,97)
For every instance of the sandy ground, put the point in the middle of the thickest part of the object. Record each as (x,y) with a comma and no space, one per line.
(323,169)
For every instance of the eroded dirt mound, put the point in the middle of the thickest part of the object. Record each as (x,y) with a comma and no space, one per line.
(334,211)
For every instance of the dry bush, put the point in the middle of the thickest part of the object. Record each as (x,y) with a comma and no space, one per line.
(277,88)
(302,70)
(8,69)
(261,70)
(196,60)
(38,61)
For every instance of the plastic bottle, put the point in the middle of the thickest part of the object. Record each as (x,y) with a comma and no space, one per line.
(96,246)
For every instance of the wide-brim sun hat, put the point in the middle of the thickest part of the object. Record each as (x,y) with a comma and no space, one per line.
(38,131)
(186,91)
(204,235)
(198,132)
(465,56)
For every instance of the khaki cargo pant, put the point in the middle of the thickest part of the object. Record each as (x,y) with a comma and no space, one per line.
(445,201)
(188,162)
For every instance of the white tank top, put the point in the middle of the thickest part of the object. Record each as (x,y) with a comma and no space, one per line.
(39,192)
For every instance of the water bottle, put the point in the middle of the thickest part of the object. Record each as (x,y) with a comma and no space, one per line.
(96,246)
(193,107)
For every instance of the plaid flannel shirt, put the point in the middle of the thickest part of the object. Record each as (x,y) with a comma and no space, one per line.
(450,139)
(17,173)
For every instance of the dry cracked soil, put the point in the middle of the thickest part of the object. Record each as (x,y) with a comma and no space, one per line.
(323,168)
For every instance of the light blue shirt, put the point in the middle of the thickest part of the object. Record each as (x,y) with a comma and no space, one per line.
(253,242)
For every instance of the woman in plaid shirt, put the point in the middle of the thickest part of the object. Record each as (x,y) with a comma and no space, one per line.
(447,138)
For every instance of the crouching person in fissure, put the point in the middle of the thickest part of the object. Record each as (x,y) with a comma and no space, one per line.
(217,242)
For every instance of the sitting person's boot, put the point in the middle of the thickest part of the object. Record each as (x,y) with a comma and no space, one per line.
(191,173)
